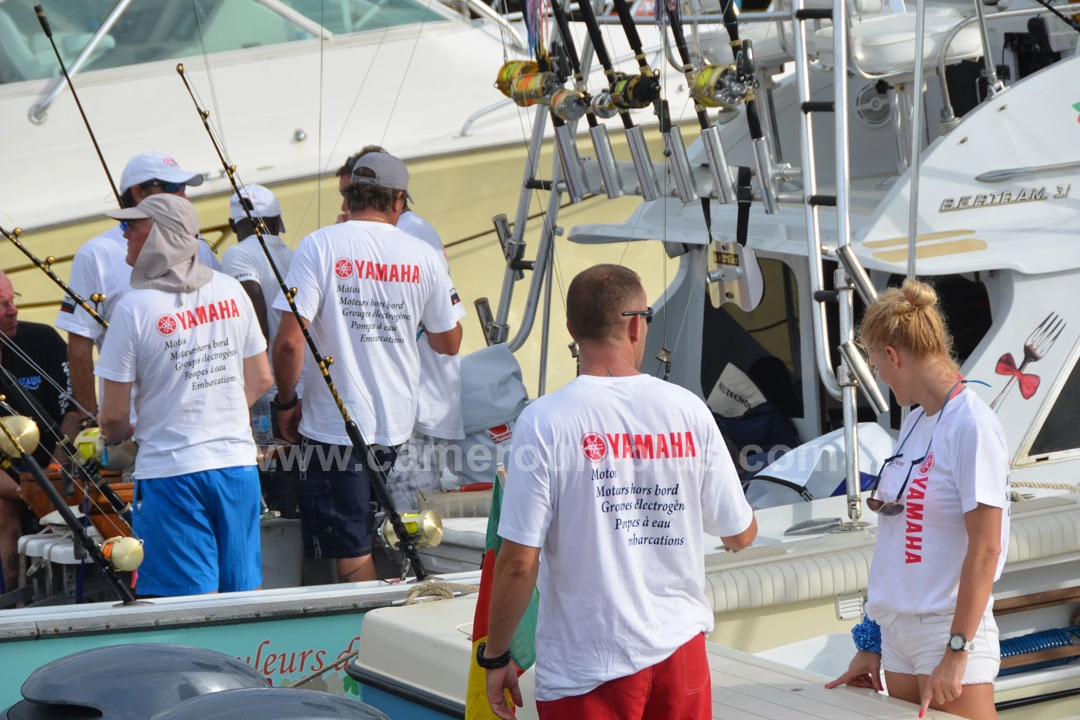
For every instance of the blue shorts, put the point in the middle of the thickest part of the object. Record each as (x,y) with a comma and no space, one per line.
(334,494)
(200,532)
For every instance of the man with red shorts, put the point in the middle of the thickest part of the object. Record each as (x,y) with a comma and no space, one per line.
(613,477)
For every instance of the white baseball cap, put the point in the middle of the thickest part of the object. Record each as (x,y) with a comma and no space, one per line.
(156,166)
(264,204)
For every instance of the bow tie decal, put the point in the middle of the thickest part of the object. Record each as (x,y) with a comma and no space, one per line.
(1029,383)
(1037,345)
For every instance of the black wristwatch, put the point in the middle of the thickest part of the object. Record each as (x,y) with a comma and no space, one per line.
(491,663)
(285,406)
(959,643)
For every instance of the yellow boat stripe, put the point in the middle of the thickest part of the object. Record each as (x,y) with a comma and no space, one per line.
(927,237)
(952,247)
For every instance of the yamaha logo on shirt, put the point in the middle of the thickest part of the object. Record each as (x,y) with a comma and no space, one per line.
(644,446)
(31,383)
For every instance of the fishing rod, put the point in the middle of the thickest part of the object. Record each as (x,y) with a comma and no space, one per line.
(10,449)
(719,86)
(407,541)
(88,468)
(625,93)
(46,267)
(605,157)
(40,12)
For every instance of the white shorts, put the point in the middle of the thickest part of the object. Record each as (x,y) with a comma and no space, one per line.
(915,644)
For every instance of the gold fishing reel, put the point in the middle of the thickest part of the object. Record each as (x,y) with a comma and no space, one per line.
(524,83)
(25,433)
(125,553)
(425,526)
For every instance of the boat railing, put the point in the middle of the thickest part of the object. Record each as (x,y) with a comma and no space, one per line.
(39,110)
(948,115)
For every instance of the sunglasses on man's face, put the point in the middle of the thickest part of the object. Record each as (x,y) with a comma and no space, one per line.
(646,313)
(168,187)
(895,506)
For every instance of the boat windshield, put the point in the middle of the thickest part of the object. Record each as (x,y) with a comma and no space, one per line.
(153,30)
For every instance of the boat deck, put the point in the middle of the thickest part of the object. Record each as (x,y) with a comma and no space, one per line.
(746,687)
(425,650)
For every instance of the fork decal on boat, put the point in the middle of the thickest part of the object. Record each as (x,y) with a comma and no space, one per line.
(1038,343)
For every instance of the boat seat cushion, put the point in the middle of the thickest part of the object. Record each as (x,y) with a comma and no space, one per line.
(885,45)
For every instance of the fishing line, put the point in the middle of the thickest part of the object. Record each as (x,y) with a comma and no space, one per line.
(65,392)
(206,62)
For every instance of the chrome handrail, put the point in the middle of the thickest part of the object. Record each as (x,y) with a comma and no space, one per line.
(39,110)
(491,14)
(947,114)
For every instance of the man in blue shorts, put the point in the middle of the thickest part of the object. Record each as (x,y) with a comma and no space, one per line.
(184,345)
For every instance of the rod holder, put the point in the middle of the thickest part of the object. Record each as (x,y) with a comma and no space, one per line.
(766,173)
(643,166)
(680,165)
(863,377)
(857,274)
(573,174)
(605,158)
(719,168)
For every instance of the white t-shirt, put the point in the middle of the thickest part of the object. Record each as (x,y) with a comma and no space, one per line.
(615,478)
(185,353)
(98,267)
(365,287)
(919,552)
(246,262)
(439,405)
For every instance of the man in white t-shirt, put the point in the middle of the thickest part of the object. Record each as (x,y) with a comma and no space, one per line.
(98,268)
(420,464)
(613,477)
(246,261)
(362,288)
(184,346)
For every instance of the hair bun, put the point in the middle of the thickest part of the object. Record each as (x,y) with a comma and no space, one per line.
(919,294)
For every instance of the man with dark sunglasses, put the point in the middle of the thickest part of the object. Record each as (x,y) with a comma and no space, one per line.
(98,268)
(613,477)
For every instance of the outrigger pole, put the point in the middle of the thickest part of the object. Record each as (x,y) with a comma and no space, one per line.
(407,540)
(10,447)
(40,11)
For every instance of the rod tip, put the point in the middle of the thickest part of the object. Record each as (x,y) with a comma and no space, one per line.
(180,68)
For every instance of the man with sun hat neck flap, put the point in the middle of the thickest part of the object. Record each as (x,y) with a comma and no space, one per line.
(362,286)
(99,268)
(184,346)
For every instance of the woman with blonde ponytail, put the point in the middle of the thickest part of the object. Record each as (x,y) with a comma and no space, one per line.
(943,520)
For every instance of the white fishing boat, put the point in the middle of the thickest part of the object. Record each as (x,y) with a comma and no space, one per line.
(1002,299)
(841,205)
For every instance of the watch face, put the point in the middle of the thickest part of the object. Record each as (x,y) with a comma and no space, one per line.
(957,642)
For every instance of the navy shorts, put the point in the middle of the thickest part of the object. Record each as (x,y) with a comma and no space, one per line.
(334,494)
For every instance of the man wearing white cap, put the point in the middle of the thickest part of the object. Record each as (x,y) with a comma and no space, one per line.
(99,268)
(363,287)
(246,260)
(185,347)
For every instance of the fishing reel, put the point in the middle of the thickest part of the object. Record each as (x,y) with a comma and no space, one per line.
(26,434)
(125,553)
(424,527)
(91,446)
(523,82)
(634,92)
(726,86)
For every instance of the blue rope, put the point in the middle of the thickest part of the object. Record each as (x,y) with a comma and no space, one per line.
(1042,640)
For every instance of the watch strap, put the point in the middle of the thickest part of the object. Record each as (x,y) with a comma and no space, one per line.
(285,406)
(494,663)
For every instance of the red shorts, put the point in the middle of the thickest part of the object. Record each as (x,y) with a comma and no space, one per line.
(679,688)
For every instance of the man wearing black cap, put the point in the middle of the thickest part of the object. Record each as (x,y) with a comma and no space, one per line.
(363,286)
(185,346)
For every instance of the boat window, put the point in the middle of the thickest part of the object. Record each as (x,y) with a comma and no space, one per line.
(348,16)
(1061,429)
(155,30)
(763,343)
